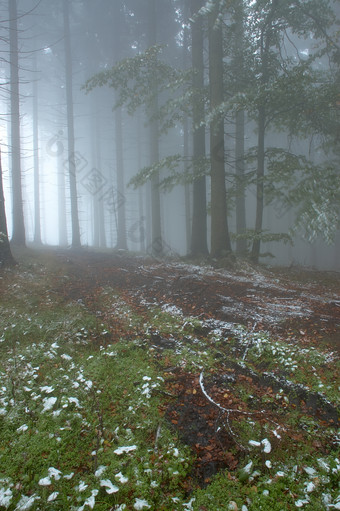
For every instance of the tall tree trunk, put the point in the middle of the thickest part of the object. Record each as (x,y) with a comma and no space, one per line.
(37,223)
(62,220)
(156,242)
(241,243)
(241,227)
(70,130)
(187,187)
(142,190)
(220,241)
(186,147)
(266,38)
(6,257)
(98,220)
(255,252)
(119,140)
(199,244)
(18,234)
(121,221)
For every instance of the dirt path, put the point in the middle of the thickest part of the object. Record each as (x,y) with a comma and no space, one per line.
(305,303)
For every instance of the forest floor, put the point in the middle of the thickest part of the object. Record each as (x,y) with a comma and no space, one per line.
(187,386)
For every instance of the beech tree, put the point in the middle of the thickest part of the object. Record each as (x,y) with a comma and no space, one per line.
(220,240)
(199,216)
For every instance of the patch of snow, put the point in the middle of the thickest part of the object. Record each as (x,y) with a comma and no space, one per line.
(125,449)
(310,487)
(47,389)
(248,467)
(74,400)
(53,496)
(323,465)
(266,445)
(121,478)
(54,472)
(301,503)
(141,504)
(49,402)
(310,471)
(110,488)
(26,502)
(45,481)
(66,357)
(172,309)
(5,497)
(22,428)
(90,501)
(254,443)
(82,486)
(100,471)
(188,505)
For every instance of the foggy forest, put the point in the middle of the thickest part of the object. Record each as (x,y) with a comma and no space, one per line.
(173,127)
(169,255)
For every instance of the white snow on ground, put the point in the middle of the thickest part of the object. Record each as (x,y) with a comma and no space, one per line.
(253,309)
(125,449)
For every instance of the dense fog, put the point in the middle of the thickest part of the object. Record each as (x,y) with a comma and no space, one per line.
(95,106)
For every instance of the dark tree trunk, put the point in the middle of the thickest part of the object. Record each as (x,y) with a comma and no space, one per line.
(241,227)
(18,234)
(6,257)
(156,242)
(187,187)
(70,130)
(62,220)
(241,243)
(266,38)
(199,244)
(37,223)
(119,138)
(142,191)
(255,252)
(186,143)
(98,220)
(121,221)
(220,241)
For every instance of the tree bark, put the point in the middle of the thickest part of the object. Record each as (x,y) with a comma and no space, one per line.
(6,257)
(255,252)
(199,244)
(187,201)
(37,222)
(121,221)
(241,243)
(62,220)
(261,126)
(156,241)
(76,243)
(241,227)
(220,241)
(18,234)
